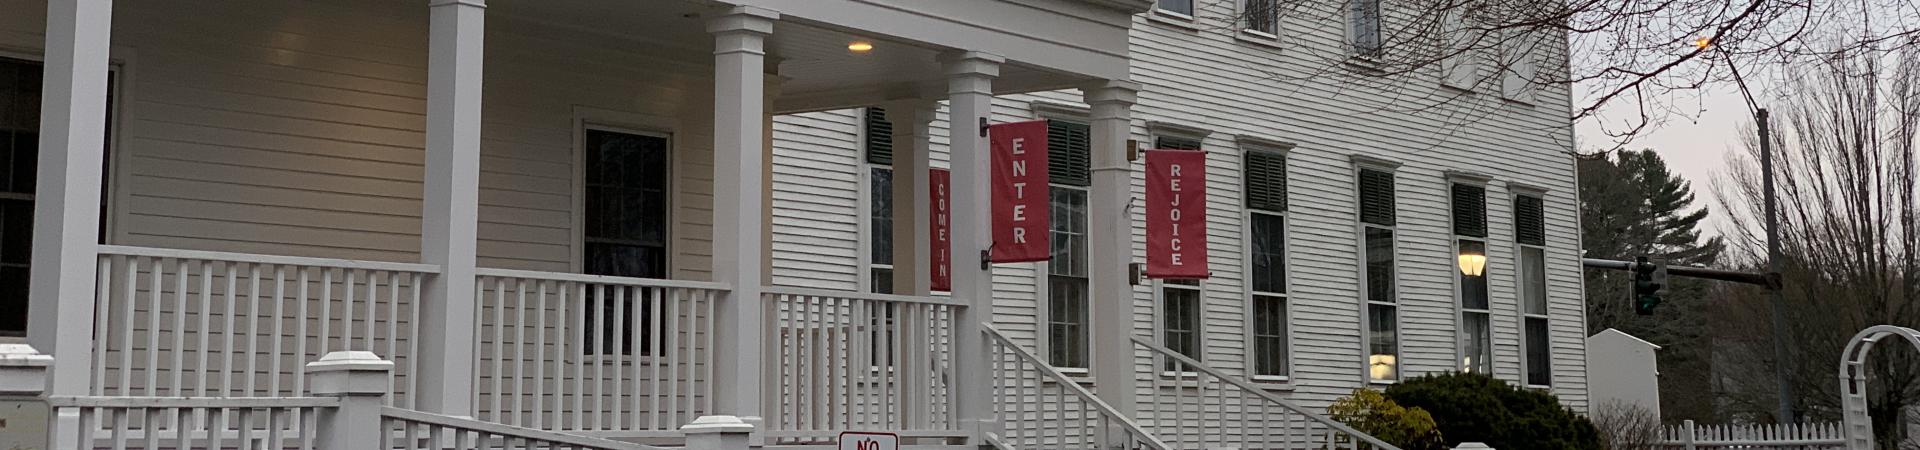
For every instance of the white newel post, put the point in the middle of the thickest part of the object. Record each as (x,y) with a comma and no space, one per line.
(66,214)
(450,208)
(739,164)
(1110,245)
(1472,446)
(717,433)
(912,146)
(970,97)
(359,380)
(23,377)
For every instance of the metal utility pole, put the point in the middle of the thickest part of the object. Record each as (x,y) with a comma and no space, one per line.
(1781,356)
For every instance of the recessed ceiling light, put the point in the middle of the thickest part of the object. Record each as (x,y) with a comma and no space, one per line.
(860,46)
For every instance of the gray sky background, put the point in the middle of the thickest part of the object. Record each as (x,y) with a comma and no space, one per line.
(1695,145)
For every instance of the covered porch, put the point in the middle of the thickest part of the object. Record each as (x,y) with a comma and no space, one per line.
(546,214)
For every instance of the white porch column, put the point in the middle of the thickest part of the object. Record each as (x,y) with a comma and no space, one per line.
(970,96)
(739,164)
(66,215)
(66,210)
(913,144)
(450,209)
(1110,243)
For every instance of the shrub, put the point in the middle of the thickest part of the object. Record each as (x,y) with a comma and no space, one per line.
(1626,426)
(1373,413)
(1479,408)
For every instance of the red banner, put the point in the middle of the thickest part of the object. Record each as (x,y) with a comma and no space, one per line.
(938,180)
(1176,214)
(1020,215)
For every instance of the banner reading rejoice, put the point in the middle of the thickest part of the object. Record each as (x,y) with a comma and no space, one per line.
(1176,214)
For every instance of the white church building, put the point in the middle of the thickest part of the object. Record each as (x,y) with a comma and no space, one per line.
(610,224)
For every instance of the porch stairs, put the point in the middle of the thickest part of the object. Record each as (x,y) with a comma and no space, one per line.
(1187,405)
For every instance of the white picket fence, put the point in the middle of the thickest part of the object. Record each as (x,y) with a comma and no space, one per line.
(1810,436)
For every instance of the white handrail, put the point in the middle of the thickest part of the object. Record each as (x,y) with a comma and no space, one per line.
(267,259)
(1258,392)
(867,296)
(404,418)
(1068,384)
(601,279)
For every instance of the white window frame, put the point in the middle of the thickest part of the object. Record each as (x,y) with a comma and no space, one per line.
(1252,144)
(1188,21)
(866,232)
(1520,282)
(587,118)
(1362,162)
(1460,309)
(1199,328)
(1243,28)
(1042,286)
(1353,34)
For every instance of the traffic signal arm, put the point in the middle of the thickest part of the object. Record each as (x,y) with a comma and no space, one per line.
(1758,279)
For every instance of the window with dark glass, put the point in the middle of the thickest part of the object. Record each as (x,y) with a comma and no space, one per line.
(20,86)
(1530,232)
(879,155)
(1180,319)
(1377,223)
(1471,263)
(1266,191)
(1069,146)
(1261,16)
(1365,27)
(1181,7)
(626,235)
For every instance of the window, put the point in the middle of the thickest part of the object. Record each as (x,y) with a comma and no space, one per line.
(1261,16)
(1180,319)
(1530,231)
(1068,159)
(1518,66)
(1180,7)
(1365,27)
(879,143)
(1470,230)
(1266,192)
(20,86)
(1377,222)
(625,234)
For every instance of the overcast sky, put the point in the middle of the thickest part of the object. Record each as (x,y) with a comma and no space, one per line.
(1696,146)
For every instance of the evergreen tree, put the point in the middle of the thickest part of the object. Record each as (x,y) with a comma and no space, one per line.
(1633,205)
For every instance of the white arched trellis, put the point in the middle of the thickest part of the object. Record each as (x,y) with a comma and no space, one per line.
(1853,380)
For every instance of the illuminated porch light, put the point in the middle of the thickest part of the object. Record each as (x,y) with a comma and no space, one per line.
(860,46)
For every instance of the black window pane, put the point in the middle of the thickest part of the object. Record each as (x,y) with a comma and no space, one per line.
(882,280)
(1181,314)
(626,217)
(1383,342)
(1269,253)
(1270,335)
(1068,209)
(1178,6)
(880,213)
(1262,15)
(1380,283)
(16,232)
(13,300)
(1539,353)
(1066,321)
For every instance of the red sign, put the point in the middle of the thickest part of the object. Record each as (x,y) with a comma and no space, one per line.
(939,179)
(1020,215)
(1176,214)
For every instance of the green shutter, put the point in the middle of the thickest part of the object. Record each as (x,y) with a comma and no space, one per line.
(879,137)
(1469,210)
(1530,220)
(1069,153)
(1266,180)
(1376,197)
(1176,143)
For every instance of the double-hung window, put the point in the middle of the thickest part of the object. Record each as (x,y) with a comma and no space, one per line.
(1266,197)
(1378,273)
(1069,147)
(1180,300)
(1260,16)
(1530,232)
(1471,264)
(625,234)
(879,156)
(20,84)
(1364,28)
(1183,8)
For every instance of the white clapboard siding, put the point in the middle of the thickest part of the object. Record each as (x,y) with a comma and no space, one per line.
(296,128)
(1211,80)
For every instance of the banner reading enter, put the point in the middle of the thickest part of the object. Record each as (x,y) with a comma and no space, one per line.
(1020,214)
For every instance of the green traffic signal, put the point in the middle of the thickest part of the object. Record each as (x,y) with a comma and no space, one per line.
(1649,284)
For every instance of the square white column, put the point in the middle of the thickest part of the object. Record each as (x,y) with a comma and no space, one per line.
(739,202)
(1110,243)
(451,204)
(912,197)
(970,98)
(66,214)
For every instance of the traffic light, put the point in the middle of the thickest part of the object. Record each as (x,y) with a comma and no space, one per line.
(1649,284)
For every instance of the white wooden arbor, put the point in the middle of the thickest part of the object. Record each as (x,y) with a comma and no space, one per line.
(1853,380)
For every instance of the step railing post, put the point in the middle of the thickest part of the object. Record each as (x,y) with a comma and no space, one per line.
(716,433)
(1472,446)
(359,380)
(23,377)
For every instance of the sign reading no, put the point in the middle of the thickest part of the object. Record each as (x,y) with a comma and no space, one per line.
(854,440)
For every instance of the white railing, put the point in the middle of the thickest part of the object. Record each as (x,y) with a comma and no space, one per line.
(1195,406)
(181,323)
(853,361)
(603,355)
(155,423)
(1040,408)
(408,429)
(1807,436)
